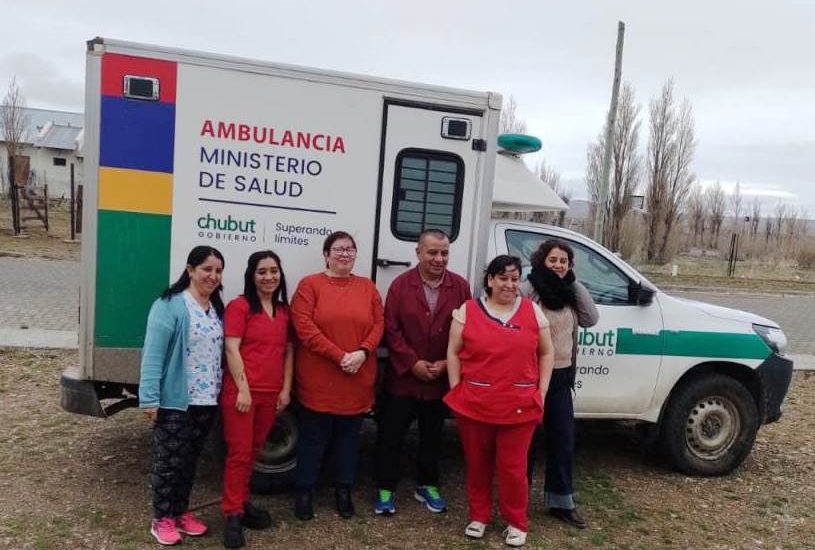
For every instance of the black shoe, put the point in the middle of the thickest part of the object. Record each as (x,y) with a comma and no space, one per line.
(255,518)
(345,507)
(570,516)
(233,532)
(303,507)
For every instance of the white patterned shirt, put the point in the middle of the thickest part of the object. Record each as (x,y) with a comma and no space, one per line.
(202,360)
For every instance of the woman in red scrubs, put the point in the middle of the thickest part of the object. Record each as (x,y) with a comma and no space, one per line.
(260,355)
(499,361)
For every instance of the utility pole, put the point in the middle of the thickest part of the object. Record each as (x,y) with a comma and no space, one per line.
(602,199)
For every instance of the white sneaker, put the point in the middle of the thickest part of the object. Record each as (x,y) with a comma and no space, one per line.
(514,536)
(475,530)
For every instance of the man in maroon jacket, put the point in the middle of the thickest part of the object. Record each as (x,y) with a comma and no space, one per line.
(417,324)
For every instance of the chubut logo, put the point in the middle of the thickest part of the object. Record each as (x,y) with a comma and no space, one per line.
(596,343)
(227,229)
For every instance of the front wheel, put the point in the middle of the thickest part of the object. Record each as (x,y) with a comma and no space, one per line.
(709,426)
(276,462)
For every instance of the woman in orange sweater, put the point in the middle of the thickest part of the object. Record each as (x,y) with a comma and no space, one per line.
(339,320)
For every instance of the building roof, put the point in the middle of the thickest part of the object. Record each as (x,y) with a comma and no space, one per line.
(54,129)
(58,136)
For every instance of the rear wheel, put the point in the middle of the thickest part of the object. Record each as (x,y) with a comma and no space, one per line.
(276,462)
(710,425)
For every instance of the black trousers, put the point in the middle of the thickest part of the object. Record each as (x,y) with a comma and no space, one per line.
(395,417)
(318,431)
(558,438)
(178,437)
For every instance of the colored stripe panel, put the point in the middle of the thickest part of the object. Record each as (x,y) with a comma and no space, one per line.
(688,343)
(132,268)
(135,191)
(115,67)
(137,135)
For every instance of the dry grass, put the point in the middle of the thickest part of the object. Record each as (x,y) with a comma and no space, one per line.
(74,482)
(37,242)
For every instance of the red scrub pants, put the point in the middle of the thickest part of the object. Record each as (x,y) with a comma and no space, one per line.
(245,434)
(491,448)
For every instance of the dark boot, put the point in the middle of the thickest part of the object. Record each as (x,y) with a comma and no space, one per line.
(569,516)
(303,507)
(255,518)
(345,507)
(233,532)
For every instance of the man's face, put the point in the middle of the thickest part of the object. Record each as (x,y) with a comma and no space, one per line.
(433,253)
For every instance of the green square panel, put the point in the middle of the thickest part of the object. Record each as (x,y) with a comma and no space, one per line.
(132,268)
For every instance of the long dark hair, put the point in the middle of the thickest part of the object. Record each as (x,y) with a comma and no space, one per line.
(499,265)
(250,291)
(196,257)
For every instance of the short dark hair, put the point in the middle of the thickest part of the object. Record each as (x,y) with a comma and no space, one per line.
(334,237)
(538,258)
(499,265)
(432,232)
(250,291)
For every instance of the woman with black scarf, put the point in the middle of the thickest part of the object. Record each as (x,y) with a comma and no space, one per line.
(567,306)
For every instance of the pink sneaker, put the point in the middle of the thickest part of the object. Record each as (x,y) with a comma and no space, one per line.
(165,531)
(190,525)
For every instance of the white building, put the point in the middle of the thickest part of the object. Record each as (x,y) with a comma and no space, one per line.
(52,141)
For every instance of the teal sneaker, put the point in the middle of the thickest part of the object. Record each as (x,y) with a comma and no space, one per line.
(384,505)
(429,494)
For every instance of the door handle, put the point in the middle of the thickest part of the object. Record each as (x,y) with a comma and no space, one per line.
(384,262)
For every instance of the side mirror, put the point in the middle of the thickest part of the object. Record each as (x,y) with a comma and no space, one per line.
(640,294)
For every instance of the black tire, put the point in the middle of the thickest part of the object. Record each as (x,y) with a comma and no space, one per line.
(709,426)
(275,464)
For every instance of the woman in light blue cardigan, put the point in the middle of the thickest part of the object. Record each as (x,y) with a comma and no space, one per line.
(179,386)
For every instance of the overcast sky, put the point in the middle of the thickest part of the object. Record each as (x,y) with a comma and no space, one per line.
(746,66)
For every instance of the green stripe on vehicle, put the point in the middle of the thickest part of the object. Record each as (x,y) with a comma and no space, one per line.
(132,268)
(688,343)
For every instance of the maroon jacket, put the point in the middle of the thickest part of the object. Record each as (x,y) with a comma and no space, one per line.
(413,333)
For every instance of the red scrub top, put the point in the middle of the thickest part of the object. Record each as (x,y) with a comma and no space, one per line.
(499,367)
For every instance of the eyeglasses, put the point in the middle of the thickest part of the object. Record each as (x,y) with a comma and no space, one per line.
(339,251)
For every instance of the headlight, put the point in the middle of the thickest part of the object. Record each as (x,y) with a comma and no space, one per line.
(773,337)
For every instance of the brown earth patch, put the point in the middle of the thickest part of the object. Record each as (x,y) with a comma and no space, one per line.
(75,482)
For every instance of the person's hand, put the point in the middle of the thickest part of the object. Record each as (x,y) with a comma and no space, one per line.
(437,368)
(244,401)
(151,413)
(352,362)
(283,400)
(422,370)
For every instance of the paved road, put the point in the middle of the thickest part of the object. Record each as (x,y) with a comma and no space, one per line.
(36,293)
(43,294)
(793,313)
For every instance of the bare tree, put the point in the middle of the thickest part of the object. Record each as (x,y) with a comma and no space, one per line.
(735,207)
(755,216)
(14,126)
(13,123)
(510,123)
(659,161)
(681,178)
(551,177)
(625,166)
(717,204)
(697,212)
(780,220)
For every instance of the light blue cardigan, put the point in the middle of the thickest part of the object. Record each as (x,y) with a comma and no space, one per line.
(163,380)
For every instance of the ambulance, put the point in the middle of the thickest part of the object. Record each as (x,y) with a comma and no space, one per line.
(185,148)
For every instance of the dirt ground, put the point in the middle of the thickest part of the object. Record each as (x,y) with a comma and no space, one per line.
(68,481)
(36,241)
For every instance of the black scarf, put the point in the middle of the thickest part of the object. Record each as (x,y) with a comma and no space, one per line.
(555,293)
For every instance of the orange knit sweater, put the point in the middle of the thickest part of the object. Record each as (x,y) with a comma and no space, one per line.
(334,316)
